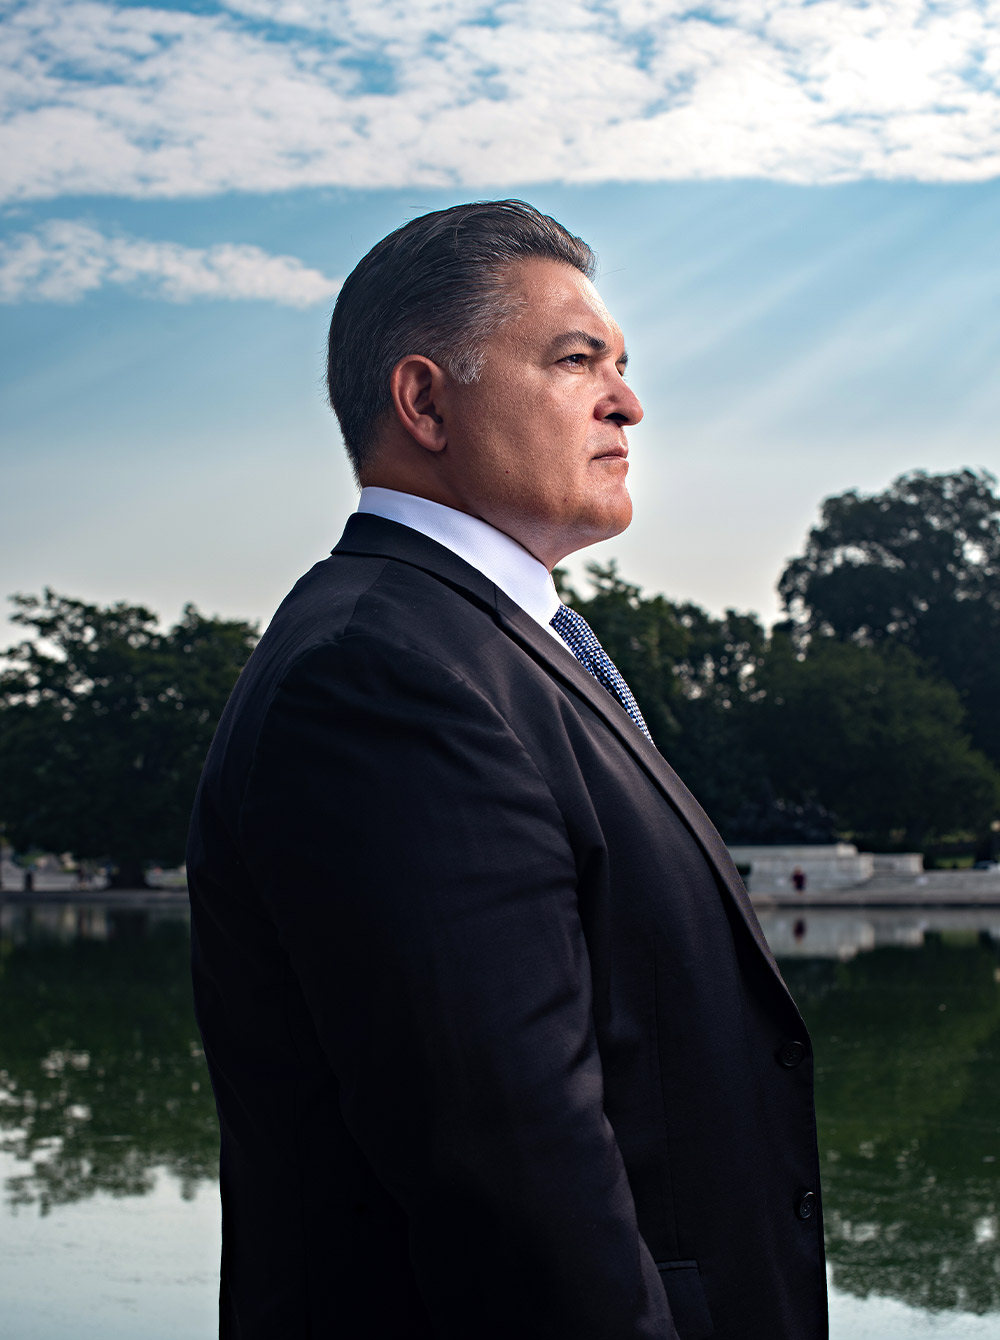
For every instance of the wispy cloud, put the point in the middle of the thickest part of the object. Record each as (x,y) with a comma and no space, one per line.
(62,260)
(267,95)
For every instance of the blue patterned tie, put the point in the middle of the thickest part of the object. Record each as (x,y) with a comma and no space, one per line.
(578,635)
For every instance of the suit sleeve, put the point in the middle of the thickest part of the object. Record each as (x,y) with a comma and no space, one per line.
(425,894)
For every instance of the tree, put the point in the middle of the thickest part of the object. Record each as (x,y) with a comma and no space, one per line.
(717,677)
(782,743)
(918,564)
(104,725)
(870,734)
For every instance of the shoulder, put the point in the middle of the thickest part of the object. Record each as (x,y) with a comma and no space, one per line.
(375,624)
(378,640)
(378,596)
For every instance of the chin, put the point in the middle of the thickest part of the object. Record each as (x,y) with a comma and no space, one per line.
(618,517)
(604,525)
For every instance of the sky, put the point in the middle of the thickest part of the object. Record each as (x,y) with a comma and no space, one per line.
(796,208)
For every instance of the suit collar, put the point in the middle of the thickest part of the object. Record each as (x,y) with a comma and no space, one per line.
(492,552)
(373,535)
(366,533)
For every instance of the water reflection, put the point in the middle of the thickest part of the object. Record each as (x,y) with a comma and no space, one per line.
(905,1013)
(828,933)
(102,1082)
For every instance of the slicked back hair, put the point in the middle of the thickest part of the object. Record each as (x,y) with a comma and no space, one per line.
(434,287)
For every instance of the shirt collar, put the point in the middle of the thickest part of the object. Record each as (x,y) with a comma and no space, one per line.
(505,562)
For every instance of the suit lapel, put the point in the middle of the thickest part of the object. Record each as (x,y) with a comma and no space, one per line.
(369,534)
(563,665)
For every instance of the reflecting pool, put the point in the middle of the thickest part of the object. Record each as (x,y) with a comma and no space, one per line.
(109,1222)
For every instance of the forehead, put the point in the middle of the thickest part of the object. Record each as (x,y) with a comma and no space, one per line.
(552,298)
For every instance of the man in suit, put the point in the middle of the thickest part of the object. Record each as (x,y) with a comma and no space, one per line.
(498,1048)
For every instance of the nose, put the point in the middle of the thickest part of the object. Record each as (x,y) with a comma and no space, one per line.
(623,403)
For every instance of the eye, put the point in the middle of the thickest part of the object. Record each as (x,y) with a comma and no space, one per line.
(576,360)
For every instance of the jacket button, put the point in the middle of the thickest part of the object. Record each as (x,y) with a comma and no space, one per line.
(790,1054)
(806,1207)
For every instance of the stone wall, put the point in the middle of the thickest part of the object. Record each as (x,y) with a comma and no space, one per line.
(837,866)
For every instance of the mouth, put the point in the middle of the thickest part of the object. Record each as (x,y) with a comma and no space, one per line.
(616,453)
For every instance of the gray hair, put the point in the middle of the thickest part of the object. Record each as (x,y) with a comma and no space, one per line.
(436,287)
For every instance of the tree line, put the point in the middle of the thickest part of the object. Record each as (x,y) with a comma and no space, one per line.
(105,721)
(871,711)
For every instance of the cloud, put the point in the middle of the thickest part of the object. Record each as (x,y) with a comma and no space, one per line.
(62,260)
(265,95)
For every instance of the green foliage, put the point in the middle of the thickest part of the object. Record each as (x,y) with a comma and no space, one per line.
(104,725)
(717,675)
(869,733)
(721,656)
(772,737)
(917,565)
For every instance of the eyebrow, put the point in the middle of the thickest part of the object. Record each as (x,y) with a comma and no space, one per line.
(593,343)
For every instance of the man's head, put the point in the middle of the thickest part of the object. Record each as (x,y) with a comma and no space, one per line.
(472,361)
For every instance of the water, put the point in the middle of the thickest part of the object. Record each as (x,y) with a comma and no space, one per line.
(109,1223)
(905,1014)
(109,1226)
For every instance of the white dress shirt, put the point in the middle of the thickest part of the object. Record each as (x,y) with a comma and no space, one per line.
(506,563)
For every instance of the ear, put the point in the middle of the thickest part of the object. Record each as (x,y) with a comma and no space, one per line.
(416,386)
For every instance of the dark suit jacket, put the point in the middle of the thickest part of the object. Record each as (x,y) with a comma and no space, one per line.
(498,1047)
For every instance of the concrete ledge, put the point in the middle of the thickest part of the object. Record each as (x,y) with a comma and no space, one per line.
(837,865)
(95,897)
(838,875)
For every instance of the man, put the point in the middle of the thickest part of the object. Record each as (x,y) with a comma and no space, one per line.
(498,1048)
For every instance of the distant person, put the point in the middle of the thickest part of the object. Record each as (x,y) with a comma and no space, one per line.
(799,879)
(498,1046)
